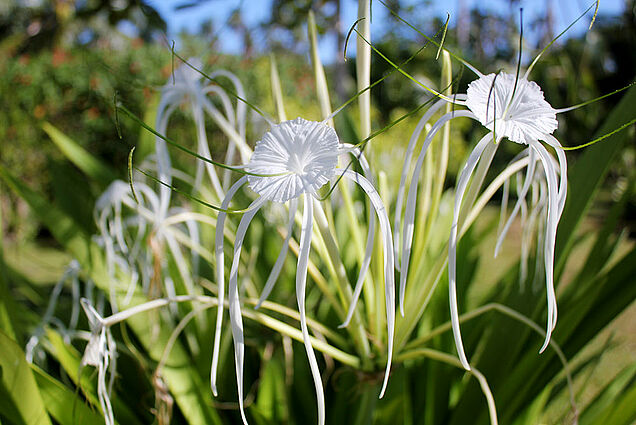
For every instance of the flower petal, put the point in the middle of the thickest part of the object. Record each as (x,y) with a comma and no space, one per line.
(462,183)
(387,248)
(408,156)
(411,202)
(301,281)
(236,320)
(220,278)
(550,238)
(520,199)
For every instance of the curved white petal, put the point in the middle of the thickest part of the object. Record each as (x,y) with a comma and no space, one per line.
(220,278)
(520,199)
(563,171)
(408,156)
(462,183)
(236,320)
(368,250)
(389,281)
(203,149)
(550,237)
(364,268)
(411,201)
(301,281)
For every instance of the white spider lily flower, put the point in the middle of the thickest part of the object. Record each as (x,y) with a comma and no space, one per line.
(188,87)
(514,108)
(509,107)
(125,235)
(71,275)
(101,352)
(295,158)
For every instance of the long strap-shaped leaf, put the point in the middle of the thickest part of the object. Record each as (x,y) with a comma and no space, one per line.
(589,172)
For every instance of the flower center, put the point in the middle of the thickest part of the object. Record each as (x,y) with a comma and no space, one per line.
(297,162)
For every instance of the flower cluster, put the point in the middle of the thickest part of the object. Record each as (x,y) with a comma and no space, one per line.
(144,235)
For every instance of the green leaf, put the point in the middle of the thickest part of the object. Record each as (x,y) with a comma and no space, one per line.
(20,399)
(6,320)
(616,404)
(62,403)
(86,162)
(586,176)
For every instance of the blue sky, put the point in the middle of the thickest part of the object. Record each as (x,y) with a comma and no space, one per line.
(257,11)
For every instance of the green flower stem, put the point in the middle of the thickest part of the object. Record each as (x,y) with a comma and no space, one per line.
(366,403)
(277,92)
(363,66)
(426,199)
(453,361)
(293,314)
(324,219)
(319,72)
(418,295)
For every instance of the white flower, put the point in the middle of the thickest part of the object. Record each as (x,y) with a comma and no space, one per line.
(71,275)
(124,237)
(101,352)
(294,159)
(305,153)
(522,118)
(188,87)
(509,108)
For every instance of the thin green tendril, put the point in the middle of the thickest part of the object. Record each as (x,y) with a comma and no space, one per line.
(454,56)
(188,151)
(492,92)
(536,59)
(401,71)
(192,198)
(346,43)
(130,175)
(598,139)
(441,44)
(595,13)
(375,83)
(362,144)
